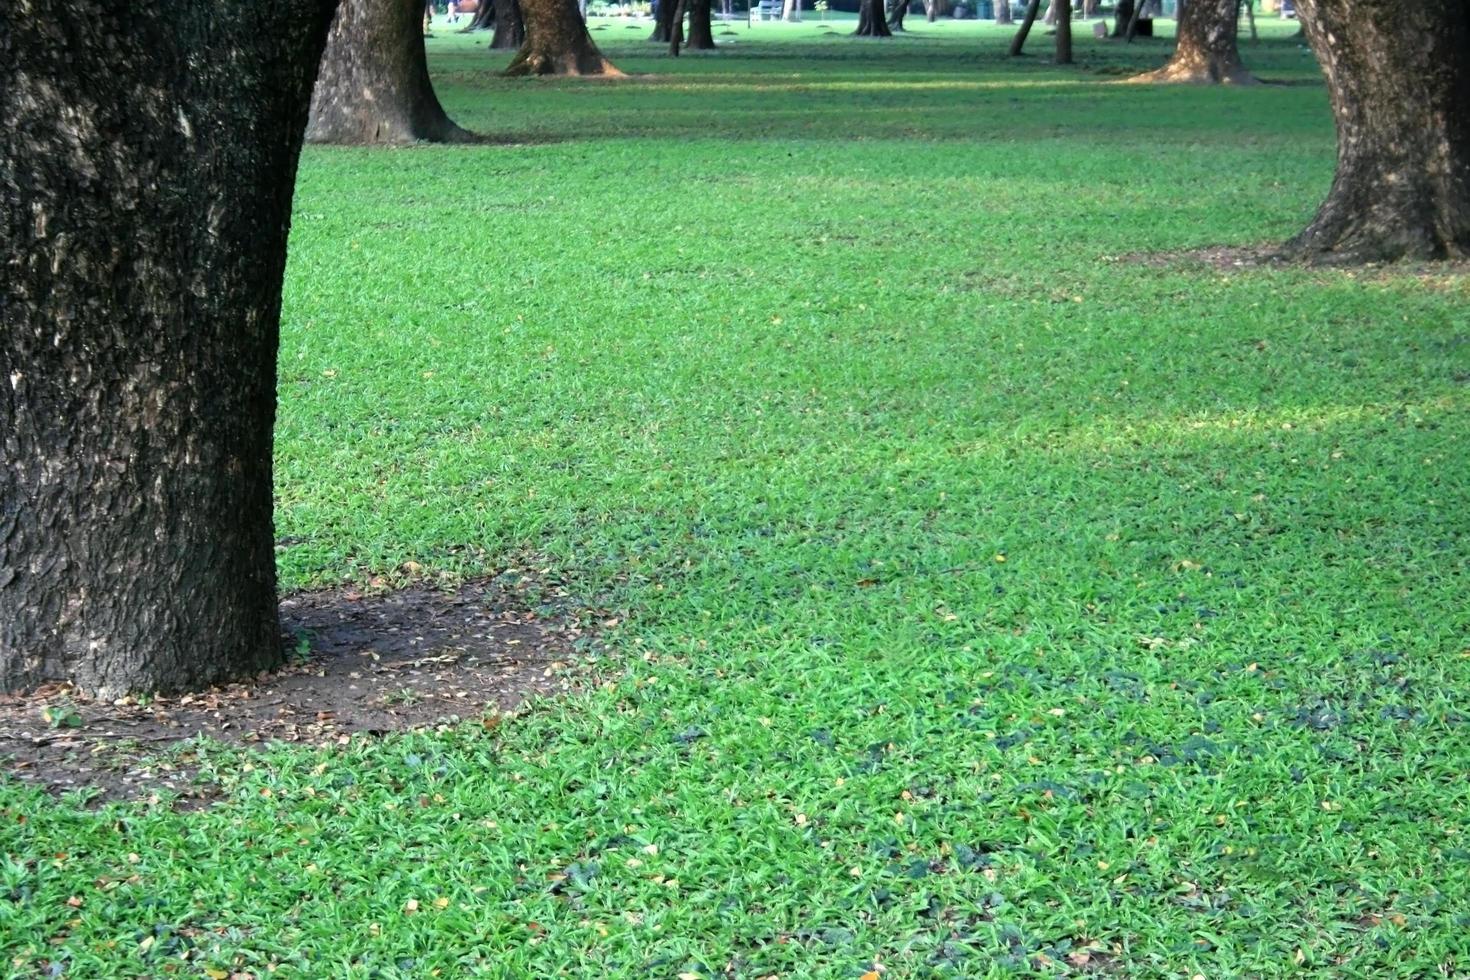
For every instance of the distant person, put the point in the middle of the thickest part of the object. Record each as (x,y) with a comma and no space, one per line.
(453,11)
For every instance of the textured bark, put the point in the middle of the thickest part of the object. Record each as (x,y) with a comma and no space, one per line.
(1018,43)
(1205,52)
(373,87)
(510,29)
(557,42)
(147,159)
(1064,31)
(1399,79)
(701,31)
(871,22)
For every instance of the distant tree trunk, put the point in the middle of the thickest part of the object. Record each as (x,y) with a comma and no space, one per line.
(557,42)
(510,29)
(147,163)
(791,11)
(1051,13)
(482,19)
(701,30)
(1250,17)
(897,14)
(1089,8)
(676,38)
(871,22)
(1135,13)
(1003,12)
(931,10)
(1122,17)
(1205,52)
(1399,79)
(1064,31)
(1027,19)
(663,22)
(373,86)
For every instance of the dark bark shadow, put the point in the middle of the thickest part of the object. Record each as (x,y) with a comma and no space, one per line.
(359,664)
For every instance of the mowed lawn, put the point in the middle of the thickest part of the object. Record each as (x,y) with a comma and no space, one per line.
(978,597)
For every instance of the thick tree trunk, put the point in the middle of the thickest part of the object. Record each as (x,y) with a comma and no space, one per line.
(557,42)
(1003,12)
(1399,79)
(373,86)
(1018,43)
(897,14)
(701,30)
(663,21)
(871,22)
(147,159)
(510,29)
(1205,52)
(1064,31)
(483,19)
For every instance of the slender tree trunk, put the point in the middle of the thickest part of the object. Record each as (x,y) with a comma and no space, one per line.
(791,11)
(931,10)
(677,36)
(1064,31)
(896,16)
(510,29)
(557,42)
(1399,79)
(1135,13)
(701,30)
(1027,19)
(1003,12)
(1051,13)
(147,160)
(483,19)
(871,22)
(1123,15)
(1205,52)
(1250,18)
(663,22)
(373,86)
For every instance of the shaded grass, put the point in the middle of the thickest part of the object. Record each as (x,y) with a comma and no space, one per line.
(988,604)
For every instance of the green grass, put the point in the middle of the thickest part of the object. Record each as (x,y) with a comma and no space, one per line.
(985,597)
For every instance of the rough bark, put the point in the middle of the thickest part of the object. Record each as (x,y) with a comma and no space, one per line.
(701,30)
(871,22)
(557,42)
(1064,31)
(147,160)
(510,29)
(1018,43)
(373,86)
(1205,52)
(1399,79)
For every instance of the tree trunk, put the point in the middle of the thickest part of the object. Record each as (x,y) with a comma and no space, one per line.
(1003,12)
(1399,79)
(483,19)
(1250,17)
(1205,52)
(1027,19)
(147,161)
(791,11)
(1051,13)
(373,86)
(896,16)
(871,22)
(931,11)
(1064,31)
(510,29)
(557,42)
(701,31)
(663,21)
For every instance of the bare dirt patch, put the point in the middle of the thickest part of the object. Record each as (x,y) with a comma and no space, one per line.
(1444,274)
(357,664)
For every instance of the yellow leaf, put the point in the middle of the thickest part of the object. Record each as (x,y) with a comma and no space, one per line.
(214,974)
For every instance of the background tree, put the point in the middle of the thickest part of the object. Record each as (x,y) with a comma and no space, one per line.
(510,29)
(897,14)
(147,162)
(557,42)
(1064,31)
(1003,12)
(701,30)
(1018,43)
(871,20)
(1205,51)
(663,22)
(483,19)
(373,86)
(1399,79)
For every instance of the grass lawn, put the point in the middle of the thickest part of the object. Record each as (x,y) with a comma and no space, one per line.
(987,601)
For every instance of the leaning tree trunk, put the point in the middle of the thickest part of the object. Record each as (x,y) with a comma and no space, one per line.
(557,42)
(483,19)
(373,87)
(510,29)
(896,16)
(1064,31)
(701,30)
(1399,79)
(147,159)
(1205,52)
(871,22)
(1018,43)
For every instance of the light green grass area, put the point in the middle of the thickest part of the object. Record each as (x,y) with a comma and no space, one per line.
(989,602)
